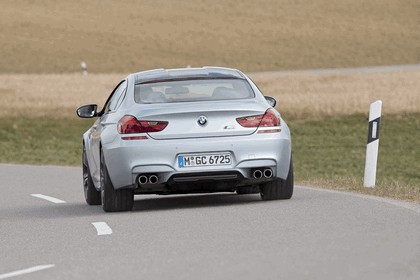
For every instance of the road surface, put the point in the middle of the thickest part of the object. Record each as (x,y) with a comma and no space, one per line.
(48,232)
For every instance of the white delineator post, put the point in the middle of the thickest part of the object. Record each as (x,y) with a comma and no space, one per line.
(372,144)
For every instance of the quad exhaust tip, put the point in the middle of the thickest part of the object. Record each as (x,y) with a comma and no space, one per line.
(257,174)
(153,179)
(143,179)
(268,173)
(148,179)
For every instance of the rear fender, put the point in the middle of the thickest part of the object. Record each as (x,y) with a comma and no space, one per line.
(88,148)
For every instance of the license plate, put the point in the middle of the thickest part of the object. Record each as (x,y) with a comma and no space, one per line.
(204,160)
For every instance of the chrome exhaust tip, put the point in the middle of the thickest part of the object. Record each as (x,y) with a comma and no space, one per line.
(143,179)
(268,173)
(257,174)
(153,179)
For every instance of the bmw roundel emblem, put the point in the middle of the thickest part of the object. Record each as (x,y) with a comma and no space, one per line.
(202,120)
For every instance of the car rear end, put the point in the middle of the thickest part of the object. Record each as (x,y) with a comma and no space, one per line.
(198,134)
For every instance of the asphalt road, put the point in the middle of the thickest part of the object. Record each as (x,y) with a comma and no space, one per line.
(315,235)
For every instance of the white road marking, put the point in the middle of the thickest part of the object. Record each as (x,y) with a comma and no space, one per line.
(49,198)
(26,271)
(102,228)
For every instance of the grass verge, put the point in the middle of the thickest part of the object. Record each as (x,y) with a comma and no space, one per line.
(331,153)
(328,152)
(42,141)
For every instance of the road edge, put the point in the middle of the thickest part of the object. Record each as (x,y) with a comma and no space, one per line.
(413,206)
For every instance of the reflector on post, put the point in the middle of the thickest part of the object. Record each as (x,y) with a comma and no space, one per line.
(372,144)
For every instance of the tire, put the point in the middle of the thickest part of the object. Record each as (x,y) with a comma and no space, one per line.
(114,200)
(92,196)
(279,188)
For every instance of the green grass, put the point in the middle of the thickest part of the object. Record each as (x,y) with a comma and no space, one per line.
(42,141)
(336,148)
(329,151)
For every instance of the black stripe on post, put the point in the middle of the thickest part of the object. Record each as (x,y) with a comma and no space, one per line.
(374,126)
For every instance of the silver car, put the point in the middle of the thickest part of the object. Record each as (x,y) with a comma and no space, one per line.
(177,131)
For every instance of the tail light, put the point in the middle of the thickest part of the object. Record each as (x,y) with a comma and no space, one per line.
(130,124)
(270,119)
(250,121)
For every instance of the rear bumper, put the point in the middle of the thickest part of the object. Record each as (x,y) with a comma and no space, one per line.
(126,159)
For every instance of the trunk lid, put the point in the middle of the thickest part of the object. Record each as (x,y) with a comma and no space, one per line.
(201,119)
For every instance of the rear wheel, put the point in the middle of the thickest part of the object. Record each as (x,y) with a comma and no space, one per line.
(279,188)
(114,200)
(92,196)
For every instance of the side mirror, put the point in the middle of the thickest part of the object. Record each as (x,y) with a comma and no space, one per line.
(87,111)
(271,101)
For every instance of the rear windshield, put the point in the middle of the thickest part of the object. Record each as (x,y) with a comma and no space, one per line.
(192,90)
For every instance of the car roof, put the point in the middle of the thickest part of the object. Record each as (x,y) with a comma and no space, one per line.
(186,73)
